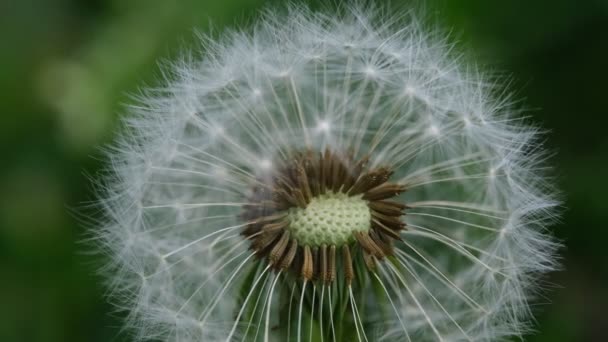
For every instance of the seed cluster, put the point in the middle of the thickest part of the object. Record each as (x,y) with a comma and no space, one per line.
(308,177)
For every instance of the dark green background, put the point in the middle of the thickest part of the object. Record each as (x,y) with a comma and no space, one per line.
(67,67)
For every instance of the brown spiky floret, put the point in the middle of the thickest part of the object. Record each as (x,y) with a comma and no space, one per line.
(304,176)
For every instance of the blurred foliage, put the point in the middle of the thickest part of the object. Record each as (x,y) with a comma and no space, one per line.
(67,68)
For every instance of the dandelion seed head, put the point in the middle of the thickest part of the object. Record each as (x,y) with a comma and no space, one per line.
(295,165)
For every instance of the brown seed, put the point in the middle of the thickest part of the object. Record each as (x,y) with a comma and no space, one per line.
(368,244)
(390,221)
(265,239)
(370,260)
(323,264)
(284,181)
(370,180)
(386,230)
(279,248)
(303,183)
(270,218)
(349,274)
(327,167)
(338,171)
(382,241)
(289,256)
(384,191)
(311,166)
(355,173)
(331,267)
(322,174)
(300,200)
(281,196)
(275,226)
(307,267)
(391,208)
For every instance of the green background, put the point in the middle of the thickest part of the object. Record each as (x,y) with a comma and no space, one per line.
(67,67)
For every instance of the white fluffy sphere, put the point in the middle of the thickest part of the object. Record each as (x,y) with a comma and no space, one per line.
(356,79)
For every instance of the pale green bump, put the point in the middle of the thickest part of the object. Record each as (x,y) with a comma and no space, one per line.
(329,219)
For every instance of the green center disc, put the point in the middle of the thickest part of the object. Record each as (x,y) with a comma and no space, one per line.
(329,219)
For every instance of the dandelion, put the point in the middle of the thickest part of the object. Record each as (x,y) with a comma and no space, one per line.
(327,176)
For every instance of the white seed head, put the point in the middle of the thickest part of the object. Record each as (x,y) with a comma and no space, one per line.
(201,165)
